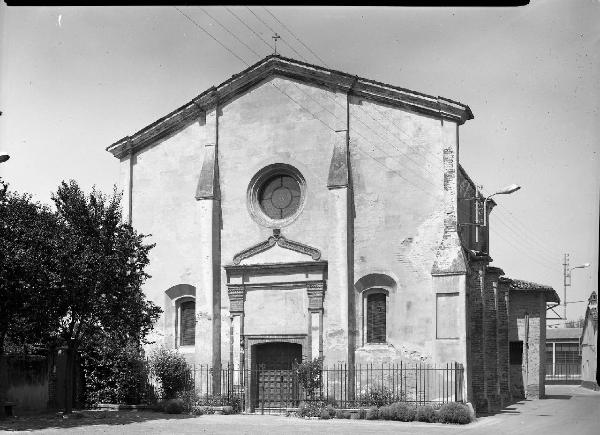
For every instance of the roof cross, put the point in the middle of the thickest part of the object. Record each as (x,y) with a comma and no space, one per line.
(275,38)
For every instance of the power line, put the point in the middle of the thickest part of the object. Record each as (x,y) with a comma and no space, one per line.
(544,251)
(336,102)
(215,39)
(324,123)
(526,252)
(231,33)
(248,27)
(434,163)
(313,115)
(297,39)
(524,232)
(405,154)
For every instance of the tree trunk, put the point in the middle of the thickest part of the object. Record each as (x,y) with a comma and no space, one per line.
(3,370)
(69,369)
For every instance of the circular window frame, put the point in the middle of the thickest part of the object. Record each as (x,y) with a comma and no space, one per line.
(254,188)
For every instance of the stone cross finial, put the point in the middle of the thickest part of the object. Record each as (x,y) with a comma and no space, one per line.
(275,38)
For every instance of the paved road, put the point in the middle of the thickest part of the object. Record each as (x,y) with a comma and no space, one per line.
(568,410)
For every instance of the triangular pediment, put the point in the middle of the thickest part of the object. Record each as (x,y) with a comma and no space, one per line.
(275,65)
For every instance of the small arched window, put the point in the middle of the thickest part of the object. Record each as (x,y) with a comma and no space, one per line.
(187,323)
(376,318)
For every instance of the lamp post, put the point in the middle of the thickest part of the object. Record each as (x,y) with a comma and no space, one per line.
(477,198)
(504,191)
(4,156)
(567,282)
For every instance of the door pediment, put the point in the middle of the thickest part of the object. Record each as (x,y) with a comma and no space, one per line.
(277,240)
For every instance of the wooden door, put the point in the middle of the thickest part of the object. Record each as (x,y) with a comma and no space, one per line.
(276,387)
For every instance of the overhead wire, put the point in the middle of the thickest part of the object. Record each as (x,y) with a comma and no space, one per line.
(548,256)
(297,39)
(303,107)
(312,114)
(336,102)
(435,163)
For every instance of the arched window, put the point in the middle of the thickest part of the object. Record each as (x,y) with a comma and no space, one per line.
(187,323)
(376,318)
(375,292)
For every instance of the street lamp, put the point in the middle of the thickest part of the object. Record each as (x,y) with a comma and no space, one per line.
(4,156)
(567,281)
(504,191)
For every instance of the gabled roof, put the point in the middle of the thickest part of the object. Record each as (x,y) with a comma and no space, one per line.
(275,65)
(520,285)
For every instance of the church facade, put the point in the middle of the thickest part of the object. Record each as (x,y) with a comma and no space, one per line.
(301,212)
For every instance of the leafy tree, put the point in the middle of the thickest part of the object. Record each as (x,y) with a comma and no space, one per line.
(29,237)
(102,262)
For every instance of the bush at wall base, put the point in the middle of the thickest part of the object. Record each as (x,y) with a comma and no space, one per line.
(426,413)
(454,412)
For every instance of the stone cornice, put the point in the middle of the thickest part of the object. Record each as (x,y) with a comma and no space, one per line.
(275,65)
(304,265)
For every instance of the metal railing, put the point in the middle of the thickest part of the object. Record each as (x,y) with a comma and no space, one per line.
(263,390)
(563,373)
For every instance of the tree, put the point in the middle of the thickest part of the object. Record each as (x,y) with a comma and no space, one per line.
(29,237)
(102,262)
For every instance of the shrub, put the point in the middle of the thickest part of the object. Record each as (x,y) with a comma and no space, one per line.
(372,413)
(235,402)
(202,410)
(189,399)
(309,374)
(362,413)
(315,408)
(227,410)
(426,413)
(342,414)
(325,415)
(310,409)
(174,406)
(379,396)
(385,413)
(172,371)
(114,372)
(454,412)
(401,411)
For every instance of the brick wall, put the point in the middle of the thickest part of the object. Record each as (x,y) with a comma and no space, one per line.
(502,343)
(490,334)
(527,323)
(477,360)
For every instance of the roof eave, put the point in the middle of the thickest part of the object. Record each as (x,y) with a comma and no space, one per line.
(438,107)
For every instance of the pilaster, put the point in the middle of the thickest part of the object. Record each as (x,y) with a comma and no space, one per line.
(208,305)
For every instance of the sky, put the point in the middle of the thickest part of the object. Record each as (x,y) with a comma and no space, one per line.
(73,80)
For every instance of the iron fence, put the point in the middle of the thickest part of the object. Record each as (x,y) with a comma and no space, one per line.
(263,389)
(565,373)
